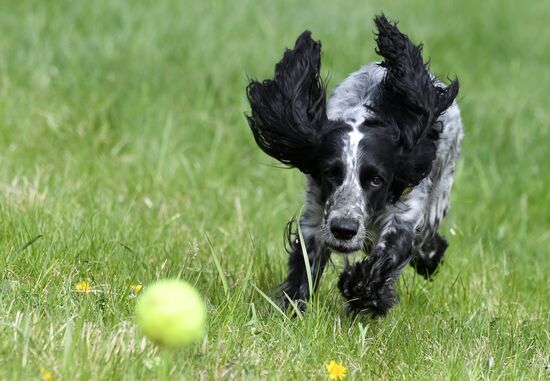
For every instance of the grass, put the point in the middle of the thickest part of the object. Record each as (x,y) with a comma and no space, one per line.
(125,158)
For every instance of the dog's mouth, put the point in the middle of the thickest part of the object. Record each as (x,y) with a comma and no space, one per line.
(342,247)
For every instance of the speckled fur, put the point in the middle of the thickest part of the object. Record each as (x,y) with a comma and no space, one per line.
(394,103)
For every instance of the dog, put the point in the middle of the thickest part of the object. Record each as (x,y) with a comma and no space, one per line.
(379,159)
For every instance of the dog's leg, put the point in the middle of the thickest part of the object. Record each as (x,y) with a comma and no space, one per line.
(431,247)
(428,256)
(369,285)
(296,286)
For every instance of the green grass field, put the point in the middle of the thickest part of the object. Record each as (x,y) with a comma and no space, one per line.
(125,157)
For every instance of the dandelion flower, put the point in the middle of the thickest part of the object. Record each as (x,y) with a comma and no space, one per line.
(136,289)
(46,374)
(83,287)
(336,370)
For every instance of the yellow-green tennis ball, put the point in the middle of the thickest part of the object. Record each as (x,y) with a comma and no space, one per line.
(171,313)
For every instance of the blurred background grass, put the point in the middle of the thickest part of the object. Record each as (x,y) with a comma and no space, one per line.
(125,157)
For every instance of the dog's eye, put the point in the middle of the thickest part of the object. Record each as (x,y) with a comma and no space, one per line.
(370,177)
(376,181)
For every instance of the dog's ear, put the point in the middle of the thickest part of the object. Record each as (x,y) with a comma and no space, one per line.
(288,110)
(414,100)
(409,93)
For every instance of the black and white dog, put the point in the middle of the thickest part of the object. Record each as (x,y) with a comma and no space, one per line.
(379,158)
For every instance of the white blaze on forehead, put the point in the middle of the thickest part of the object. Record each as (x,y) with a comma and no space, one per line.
(355,137)
(354,117)
(350,192)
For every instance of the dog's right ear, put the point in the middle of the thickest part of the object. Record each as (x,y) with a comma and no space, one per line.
(288,110)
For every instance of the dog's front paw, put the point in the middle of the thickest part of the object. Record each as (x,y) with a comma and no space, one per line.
(292,304)
(291,298)
(366,293)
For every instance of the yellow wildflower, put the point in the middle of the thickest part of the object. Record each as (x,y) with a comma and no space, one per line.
(336,370)
(46,374)
(83,286)
(136,288)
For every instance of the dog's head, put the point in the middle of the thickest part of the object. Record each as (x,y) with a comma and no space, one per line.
(364,162)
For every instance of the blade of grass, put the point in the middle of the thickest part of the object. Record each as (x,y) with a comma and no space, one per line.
(67,345)
(270,301)
(294,306)
(26,245)
(219,268)
(306,257)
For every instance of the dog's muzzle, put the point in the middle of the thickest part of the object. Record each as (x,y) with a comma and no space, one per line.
(344,234)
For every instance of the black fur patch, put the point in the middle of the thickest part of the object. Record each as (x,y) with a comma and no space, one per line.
(429,256)
(413,99)
(365,294)
(288,111)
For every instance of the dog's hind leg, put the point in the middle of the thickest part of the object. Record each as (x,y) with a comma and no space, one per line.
(428,255)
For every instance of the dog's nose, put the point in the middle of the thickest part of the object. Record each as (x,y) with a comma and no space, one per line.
(344,228)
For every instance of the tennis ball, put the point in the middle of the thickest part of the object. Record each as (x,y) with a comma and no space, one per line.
(171,313)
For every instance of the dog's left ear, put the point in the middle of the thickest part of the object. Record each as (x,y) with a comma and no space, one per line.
(288,110)
(409,93)
(413,98)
